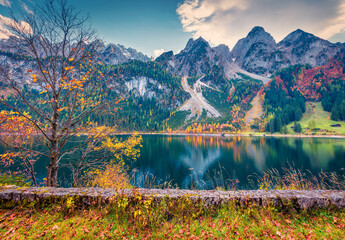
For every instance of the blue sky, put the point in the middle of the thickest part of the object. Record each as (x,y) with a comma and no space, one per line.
(156,25)
(145,25)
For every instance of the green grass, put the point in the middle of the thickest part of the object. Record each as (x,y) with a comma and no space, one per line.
(140,218)
(322,119)
(14,179)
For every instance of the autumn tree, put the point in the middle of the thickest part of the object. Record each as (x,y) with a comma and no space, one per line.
(60,89)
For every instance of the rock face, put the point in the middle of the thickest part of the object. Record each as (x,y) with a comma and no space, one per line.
(110,54)
(196,59)
(116,54)
(305,48)
(145,87)
(259,53)
(13,195)
(257,36)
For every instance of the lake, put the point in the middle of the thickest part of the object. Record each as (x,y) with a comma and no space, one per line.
(209,162)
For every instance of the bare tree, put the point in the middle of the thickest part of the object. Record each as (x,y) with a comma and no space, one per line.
(56,38)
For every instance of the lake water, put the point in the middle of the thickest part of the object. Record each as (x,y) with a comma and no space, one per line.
(206,162)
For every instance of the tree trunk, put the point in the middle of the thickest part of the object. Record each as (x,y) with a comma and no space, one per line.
(52,175)
(53,165)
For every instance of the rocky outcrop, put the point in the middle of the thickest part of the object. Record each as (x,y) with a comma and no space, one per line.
(304,48)
(110,54)
(116,54)
(259,53)
(257,35)
(196,59)
(87,196)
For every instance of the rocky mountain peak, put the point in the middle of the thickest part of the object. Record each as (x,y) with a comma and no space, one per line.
(256,35)
(165,56)
(193,45)
(299,36)
(224,51)
(256,30)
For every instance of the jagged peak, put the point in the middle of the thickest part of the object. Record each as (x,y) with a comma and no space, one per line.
(165,56)
(301,32)
(299,35)
(200,39)
(191,44)
(98,43)
(256,30)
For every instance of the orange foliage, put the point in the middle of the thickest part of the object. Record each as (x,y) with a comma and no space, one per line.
(15,131)
(310,81)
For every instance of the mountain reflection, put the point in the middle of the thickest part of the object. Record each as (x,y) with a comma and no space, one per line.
(184,159)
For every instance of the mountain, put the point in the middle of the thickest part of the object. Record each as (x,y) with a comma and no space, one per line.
(116,54)
(255,36)
(110,54)
(259,53)
(199,58)
(205,84)
(304,48)
(194,60)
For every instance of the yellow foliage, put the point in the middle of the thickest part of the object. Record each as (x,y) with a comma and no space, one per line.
(112,176)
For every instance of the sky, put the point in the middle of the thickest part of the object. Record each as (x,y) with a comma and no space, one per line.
(154,26)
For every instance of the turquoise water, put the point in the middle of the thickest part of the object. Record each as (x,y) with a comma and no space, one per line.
(210,162)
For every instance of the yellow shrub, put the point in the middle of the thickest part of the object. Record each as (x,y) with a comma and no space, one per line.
(112,176)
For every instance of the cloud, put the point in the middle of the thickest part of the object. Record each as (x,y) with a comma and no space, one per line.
(226,21)
(5,33)
(158,52)
(5,3)
(27,9)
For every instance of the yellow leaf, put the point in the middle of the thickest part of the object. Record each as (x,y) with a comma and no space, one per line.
(70,59)
(43,92)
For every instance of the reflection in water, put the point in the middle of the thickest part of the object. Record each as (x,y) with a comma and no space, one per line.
(198,161)
(257,154)
(183,159)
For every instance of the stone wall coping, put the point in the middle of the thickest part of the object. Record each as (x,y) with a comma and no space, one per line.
(303,199)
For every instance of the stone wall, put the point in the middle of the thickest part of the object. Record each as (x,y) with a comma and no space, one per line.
(87,196)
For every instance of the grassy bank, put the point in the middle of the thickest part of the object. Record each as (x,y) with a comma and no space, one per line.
(314,111)
(143,219)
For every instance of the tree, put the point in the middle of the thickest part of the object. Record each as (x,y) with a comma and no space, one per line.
(271,124)
(62,90)
(285,130)
(312,124)
(297,127)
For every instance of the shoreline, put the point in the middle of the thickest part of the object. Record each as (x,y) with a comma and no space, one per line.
(227,135)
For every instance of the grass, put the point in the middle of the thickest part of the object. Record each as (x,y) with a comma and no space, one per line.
(322,119)
(140,218)
(294,179)
(14,179)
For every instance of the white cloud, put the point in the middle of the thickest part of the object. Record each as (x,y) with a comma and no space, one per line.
(226,21)
(5,3)
(158,52)
(5,33)
(27,9)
